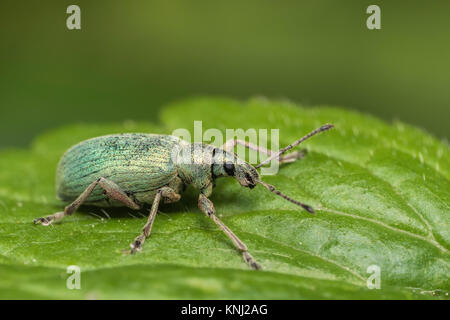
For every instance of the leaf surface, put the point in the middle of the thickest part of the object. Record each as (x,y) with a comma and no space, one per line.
(381,193)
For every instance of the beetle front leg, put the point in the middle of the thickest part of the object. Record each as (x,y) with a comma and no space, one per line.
(111,190)
(291,157)
(169,196)
(207,207)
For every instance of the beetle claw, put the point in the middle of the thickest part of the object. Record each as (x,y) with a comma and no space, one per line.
(251,261)
(136,245)
(46,221)
(135,249)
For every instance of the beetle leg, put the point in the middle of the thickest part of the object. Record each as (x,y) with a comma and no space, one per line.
(137,244)
(291,157)
(169,196)
(207,207)
(111,190)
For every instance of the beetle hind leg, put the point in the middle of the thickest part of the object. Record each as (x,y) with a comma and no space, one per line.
(110,189)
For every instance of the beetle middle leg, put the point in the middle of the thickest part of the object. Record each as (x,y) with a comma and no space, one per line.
(111,190)
(207,207)
(168,195)
(291,157)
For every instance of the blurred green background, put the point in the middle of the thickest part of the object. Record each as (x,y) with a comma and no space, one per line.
(132,57)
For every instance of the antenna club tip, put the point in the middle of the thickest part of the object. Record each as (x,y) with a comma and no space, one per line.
(309,209)
(326,127)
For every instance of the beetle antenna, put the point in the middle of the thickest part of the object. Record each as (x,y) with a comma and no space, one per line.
(295,143)
(277,192)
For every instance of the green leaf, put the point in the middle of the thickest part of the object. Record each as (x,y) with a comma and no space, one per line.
(381,193)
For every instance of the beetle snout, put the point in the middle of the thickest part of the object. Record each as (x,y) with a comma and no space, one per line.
(250,181)
(247,183)
(248,177)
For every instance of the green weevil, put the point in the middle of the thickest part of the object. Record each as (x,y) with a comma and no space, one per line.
(134,169)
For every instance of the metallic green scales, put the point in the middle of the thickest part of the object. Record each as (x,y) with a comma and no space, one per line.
(137,163)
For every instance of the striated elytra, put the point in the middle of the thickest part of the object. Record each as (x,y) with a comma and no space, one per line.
(135,169)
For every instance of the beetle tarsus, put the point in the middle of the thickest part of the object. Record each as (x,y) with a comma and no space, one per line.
(137,244)
(46,221)
(43,221)
(251,261)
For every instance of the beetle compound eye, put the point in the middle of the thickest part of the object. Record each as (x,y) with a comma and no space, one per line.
(229,168)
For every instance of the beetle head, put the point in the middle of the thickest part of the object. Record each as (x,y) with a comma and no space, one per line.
(228,164)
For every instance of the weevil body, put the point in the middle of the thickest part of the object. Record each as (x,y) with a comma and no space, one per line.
(136,169)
